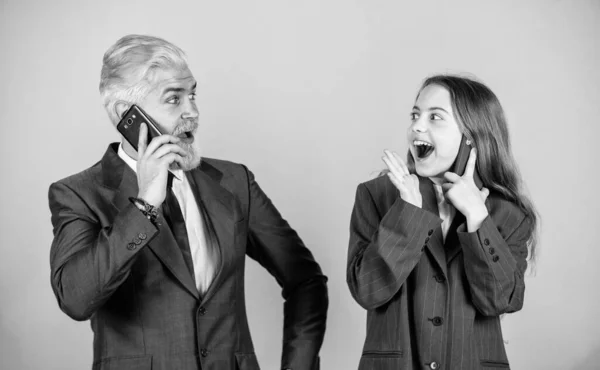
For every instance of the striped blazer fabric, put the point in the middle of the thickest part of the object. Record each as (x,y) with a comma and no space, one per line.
(433,304)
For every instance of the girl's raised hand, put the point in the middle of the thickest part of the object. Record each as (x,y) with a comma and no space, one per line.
(464,195)
(404,181)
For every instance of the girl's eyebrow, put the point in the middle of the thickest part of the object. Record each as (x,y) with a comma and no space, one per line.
(430,108)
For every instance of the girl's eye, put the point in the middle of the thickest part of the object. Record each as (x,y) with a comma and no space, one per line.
(435,117)
(414,116)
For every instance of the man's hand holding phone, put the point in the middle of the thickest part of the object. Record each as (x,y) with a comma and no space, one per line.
(153,163)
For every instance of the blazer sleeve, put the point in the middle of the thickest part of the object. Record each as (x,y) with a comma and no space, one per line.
(384,250)
(495,265)
(89,262)
(278,248)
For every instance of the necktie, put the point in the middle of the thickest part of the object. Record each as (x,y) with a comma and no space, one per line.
(445,211)
(176,222)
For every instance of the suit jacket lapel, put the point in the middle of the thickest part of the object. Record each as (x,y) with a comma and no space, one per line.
(436,240)
(219,205)
(122,178)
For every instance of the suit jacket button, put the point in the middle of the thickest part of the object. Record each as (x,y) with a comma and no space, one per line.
(495,258)
(440,278)
(426,239)
(492,250)
(142,236)
(430,232)
(204,352)
(434,365)
(202,311)
(131,246)
(437,321)
(486,241)
(137,241)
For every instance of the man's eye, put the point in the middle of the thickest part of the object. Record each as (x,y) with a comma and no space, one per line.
(193,96)
(173,100)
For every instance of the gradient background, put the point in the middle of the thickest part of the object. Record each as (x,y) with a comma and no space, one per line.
(308,94)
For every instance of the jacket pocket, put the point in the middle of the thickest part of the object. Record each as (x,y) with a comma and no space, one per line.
(494,365)
(143,362)
(383,354)
(382,360)
(246,361)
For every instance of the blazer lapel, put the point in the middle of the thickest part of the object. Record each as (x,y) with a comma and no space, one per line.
(219,205)
(122,178)
(436,240)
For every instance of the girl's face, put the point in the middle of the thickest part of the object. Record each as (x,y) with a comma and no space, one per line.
(434,135)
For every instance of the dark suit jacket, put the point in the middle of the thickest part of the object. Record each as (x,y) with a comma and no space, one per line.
(112,265)
(428,301)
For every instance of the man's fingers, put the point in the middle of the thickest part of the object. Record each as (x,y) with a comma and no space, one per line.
(169,148)
(159,141)
(142,144)
(470,169)
(172,157)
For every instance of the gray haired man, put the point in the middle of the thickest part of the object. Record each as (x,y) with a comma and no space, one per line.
(150,244)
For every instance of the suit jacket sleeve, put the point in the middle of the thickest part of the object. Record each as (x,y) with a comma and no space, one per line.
(277,247)
(495,264)
(384,250)
(89,262)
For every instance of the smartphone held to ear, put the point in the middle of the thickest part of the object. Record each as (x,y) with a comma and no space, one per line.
(460,164)
(129,126)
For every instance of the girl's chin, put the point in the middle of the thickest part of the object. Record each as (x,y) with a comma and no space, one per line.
(427,171)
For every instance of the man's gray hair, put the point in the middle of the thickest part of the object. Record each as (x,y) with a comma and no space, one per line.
(128,67)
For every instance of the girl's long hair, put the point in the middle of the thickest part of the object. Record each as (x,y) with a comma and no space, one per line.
(481,119)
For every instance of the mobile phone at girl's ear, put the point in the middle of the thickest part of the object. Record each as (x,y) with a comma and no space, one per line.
(129,126)
(460,164)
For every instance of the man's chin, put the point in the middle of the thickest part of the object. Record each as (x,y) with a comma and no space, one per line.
(187,165)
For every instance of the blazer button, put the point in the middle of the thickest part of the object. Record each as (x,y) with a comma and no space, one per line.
(142,236)
(495,258)
(430,232)
(137,241)
(434,365)
(202,311)
(204,352)
(131,246)
(486,241)
(437,321)
(426,239)
(492,250)
(440,278)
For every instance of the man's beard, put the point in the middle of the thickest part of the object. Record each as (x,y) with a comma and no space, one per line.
(191,160)
(193,149)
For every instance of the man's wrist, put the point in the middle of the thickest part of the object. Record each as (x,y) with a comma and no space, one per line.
(150,211)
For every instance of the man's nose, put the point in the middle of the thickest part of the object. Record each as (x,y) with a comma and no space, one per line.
(190,110)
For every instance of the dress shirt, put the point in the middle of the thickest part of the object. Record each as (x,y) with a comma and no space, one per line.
(205,254)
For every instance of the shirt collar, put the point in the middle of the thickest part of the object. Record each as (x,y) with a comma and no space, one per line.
(132,163)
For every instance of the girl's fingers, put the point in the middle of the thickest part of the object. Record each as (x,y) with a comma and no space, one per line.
(401,163)
(470,169)
(451,177)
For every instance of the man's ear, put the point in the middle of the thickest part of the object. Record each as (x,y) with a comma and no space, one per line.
(121,107)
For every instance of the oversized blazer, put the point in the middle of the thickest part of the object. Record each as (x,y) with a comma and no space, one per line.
(112,265)
(433,305)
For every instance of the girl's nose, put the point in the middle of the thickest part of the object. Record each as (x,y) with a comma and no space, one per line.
(419,125)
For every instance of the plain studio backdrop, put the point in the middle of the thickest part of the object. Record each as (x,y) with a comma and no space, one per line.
(308,94)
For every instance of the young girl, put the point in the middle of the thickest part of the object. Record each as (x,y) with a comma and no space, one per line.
(434,259)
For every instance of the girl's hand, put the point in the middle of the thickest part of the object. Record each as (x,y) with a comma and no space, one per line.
(464,195)
(407,184)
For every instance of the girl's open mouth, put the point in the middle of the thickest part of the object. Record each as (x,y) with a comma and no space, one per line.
(423,149)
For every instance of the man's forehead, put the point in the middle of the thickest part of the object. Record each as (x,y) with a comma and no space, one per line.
(167,78)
